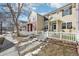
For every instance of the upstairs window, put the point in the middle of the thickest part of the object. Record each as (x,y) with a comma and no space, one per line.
(67,11)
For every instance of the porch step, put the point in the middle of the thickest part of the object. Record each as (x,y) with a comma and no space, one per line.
(23,45)
(21,48)
(30,47)
(28,42)
(34,52)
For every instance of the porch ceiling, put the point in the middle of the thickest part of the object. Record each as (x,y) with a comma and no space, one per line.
(62,20)
(56,20)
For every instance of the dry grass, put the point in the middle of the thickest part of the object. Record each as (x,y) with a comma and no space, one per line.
(59,48)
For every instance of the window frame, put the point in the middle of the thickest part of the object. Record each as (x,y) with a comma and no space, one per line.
(69,25)
(64,26)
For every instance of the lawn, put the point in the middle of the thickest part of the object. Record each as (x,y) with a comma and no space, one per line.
(59,48)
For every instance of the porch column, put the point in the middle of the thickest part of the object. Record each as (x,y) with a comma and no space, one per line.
(48,25)
(57,26)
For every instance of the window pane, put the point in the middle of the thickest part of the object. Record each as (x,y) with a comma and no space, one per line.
(69,25)
(63,25)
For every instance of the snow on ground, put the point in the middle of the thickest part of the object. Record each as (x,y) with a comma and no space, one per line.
(9,48)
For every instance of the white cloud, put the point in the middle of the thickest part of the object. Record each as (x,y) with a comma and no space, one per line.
(35,4)
(57,5)
(43,13)
(24,18)
(34,8)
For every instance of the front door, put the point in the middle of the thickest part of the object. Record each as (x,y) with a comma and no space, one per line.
(28,27)
(53,26)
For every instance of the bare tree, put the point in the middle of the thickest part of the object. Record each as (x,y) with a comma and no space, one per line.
(2,19)
(15,12)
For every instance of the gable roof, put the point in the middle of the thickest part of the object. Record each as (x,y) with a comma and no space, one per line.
(58,9)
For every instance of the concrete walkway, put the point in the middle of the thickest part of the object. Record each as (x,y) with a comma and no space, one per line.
(25,47)
(6,45)
(9,48)
(10,38)
(10,52)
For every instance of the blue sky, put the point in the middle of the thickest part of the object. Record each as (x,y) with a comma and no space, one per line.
(46,7)
(40,8)
(43,8)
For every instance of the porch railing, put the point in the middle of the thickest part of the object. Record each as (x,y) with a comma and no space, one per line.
(62,35)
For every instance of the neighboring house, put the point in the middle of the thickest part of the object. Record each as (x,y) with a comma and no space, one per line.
(22,25)
(64,19)
(36,22)
(7,24)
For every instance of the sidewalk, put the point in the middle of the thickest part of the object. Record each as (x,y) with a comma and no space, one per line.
(10,52)
(9,48)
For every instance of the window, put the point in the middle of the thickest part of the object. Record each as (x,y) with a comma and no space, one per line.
(63,25)
(70,10)
(69,25)
(67,11)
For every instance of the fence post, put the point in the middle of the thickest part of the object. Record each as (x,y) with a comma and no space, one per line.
(60,35)
(47,34)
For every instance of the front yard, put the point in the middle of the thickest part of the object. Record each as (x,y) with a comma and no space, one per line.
(59,48)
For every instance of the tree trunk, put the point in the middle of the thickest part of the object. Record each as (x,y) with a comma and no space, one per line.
(17,28)
(1,28)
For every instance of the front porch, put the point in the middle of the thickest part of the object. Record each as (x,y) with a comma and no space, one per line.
(55,25)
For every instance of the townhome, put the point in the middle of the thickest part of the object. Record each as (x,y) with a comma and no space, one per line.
(64,19)
(45,23)
(35,22)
